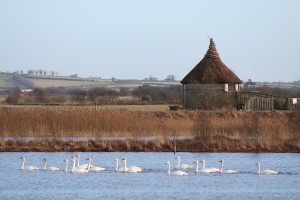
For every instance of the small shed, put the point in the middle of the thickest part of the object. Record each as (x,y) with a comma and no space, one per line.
(210,84)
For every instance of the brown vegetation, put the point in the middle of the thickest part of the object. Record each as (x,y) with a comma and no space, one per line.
(74,121)
(229,131)
(249,131)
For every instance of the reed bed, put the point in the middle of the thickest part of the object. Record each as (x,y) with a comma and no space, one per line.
(253,131)
(83,121)
(228,131)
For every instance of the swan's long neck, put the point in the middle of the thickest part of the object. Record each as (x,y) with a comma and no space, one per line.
(178,161)
(117,164)
(45,165)
(222,166)
(258,170)
(197,166)
(73,164)
(125,163)
(78,160)
(203,164)
(23,164)
(89,164)
(169,169)
(67,163)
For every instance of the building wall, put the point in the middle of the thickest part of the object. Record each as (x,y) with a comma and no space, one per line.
(209,96)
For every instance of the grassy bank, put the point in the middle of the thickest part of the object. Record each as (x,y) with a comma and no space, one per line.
(158,145)
(230,131)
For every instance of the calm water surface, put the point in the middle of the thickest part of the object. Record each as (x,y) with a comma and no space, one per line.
(153,182)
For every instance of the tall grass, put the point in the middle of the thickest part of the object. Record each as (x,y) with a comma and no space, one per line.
(246,130)
(213,131)
(84,121)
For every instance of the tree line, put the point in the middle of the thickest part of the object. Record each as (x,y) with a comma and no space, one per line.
(144,94)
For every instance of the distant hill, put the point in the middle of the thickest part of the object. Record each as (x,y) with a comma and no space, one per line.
(15,80)
(9,80)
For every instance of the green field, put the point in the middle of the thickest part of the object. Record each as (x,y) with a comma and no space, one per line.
(67,83)
(7,81)
(10,80)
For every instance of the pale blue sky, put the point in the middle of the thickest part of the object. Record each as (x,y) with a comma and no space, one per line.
(132,39)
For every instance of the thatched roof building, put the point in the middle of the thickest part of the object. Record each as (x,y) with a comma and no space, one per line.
(210,84)
(211,69)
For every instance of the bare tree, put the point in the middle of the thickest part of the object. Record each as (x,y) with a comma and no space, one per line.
(170,78)
(41,95)
(152,78)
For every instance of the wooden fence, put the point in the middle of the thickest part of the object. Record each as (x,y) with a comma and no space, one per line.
(293,103)
(257,101)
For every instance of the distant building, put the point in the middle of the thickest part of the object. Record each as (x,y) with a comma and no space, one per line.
(210,84)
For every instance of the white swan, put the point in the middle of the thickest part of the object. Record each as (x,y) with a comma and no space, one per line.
(30,168)
(67,163)
(131,169)
(175,173)
(49,168)
(182,166)
(83,166)
(94,168)
(229,171)
(78,159)
(208,170)
(267,171)
(77,170)
(117,169)
(197,165)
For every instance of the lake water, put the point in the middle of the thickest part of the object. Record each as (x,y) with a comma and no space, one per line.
(153,182)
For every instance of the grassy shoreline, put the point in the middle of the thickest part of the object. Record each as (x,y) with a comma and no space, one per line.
(161,145)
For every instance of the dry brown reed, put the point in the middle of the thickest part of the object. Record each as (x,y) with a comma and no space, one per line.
(264,131)
(2,143)
(56,122)
(213,131)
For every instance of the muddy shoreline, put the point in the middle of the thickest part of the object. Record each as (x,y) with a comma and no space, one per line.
(188,145)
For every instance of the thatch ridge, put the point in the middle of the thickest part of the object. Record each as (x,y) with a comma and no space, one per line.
(211,69)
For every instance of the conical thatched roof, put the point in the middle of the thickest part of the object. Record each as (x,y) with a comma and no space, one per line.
(211,69)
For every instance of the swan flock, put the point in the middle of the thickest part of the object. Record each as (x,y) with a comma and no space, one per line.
(180,169)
